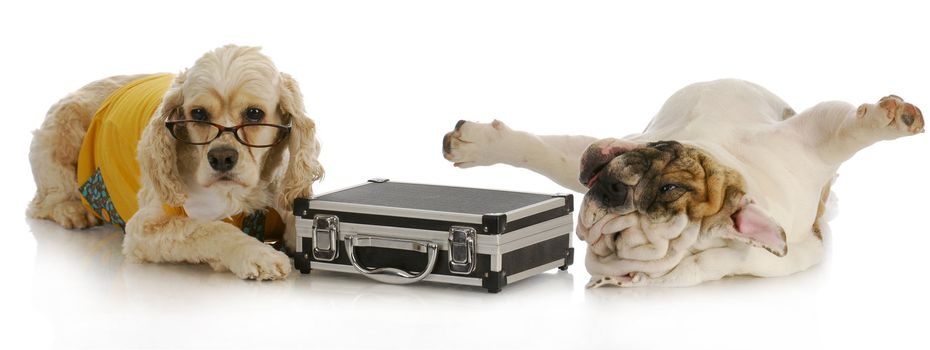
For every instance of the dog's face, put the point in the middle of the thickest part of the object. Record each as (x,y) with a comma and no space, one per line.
(231,87)
(650,205)
(229,91)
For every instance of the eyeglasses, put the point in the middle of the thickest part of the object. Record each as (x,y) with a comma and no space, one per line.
(198,132)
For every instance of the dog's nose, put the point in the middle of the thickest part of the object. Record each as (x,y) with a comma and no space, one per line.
(222,158)
(609,190)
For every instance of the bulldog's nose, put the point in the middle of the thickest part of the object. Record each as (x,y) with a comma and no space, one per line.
(609,190)
(222,159)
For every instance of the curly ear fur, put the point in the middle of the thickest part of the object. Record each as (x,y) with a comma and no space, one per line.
(157,152)
(302,166)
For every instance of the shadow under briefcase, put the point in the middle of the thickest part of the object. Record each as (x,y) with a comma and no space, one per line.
(404,233)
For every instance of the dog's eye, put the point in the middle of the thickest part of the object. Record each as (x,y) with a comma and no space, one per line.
(671,192)
(199,114)
(253,114)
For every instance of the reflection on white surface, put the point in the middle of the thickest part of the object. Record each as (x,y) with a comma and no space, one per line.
(81,283)
(83,294)
(82,286)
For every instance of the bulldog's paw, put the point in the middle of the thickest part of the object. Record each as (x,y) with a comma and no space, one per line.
(474,144)
(631,280)
(258,261)
(69,214)
(892,112)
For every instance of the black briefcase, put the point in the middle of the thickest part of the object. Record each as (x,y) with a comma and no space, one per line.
(403,233)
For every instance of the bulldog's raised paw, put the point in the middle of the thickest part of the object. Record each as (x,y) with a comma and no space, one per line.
(892,112)
(260,262)
(473,144)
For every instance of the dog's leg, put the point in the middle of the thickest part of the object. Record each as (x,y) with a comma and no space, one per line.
(709,265)
(801,255)
(54,152)
(716,263)
(153,236)
(557,157)
(838,130)
(53,155)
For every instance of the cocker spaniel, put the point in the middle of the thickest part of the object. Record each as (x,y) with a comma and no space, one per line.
(196,167)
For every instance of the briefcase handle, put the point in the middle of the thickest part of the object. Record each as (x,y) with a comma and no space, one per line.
(390,274)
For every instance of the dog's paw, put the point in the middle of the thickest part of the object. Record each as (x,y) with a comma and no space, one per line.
(69,214)
(631,280)
(892,112)
(473,144)
(259,261)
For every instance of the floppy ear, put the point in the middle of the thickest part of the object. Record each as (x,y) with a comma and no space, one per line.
(157,153)
(302,166)
(728,212)
(743,220)
(753,225)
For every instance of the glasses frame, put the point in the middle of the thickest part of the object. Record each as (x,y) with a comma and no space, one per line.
(169,124)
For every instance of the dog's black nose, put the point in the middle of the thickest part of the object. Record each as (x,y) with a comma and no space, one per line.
(222,158)
(609,190)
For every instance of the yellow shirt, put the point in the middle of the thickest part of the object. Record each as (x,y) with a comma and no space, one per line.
(108,172)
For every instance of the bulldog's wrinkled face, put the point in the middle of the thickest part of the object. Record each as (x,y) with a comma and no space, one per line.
(650,205)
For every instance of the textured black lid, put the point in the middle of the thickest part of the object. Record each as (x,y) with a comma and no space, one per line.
(435,198)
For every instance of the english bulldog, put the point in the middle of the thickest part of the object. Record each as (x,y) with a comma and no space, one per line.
(725,180)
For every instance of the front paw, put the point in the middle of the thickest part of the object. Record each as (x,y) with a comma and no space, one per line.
(473,144)
(258,261)
(892,112)
(633,279)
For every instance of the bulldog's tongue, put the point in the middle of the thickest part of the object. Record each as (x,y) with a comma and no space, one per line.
(591,182)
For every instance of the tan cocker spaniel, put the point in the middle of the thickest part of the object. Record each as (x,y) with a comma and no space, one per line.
(196,167)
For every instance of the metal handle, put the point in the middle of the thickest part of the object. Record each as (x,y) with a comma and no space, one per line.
(390,274)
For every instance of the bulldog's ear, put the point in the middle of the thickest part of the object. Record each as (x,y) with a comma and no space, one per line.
(753,225)
(743,220)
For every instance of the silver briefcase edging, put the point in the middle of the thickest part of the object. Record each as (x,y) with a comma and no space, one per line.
(478,250)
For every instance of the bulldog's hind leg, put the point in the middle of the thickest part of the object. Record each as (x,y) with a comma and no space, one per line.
(838,130)
(557,157)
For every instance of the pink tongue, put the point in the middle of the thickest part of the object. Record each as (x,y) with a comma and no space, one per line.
(593,180)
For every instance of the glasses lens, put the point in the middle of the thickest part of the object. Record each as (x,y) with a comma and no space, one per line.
(259,135)
(194,132)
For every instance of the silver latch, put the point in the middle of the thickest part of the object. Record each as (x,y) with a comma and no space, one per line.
(462,252)
(325,235)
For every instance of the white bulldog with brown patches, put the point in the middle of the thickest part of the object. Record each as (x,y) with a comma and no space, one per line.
(726,180)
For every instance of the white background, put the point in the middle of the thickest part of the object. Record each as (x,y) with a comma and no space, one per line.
(385,80)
